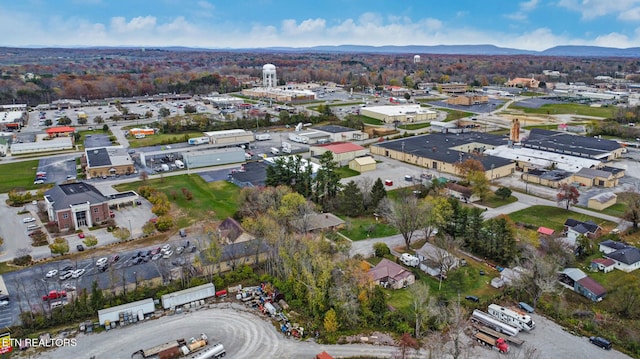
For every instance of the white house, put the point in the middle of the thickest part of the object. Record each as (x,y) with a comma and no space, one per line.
(627,257)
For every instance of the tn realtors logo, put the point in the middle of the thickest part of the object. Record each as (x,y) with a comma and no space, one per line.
(7,343)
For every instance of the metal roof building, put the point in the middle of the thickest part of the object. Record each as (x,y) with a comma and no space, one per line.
(182,297)
(113,314)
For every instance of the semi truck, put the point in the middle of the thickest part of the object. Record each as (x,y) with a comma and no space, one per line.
(495,343)
(179,348)
(506,315)
(485,319)
(198,140)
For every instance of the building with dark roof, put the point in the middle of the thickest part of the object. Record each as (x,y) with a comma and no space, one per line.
(572,145)
(76,205)
(391,275)
(574,228)
(626,257)
(579,282)
(444,151)
(99,162)
(341,133)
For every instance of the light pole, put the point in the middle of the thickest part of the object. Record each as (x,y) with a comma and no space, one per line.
(130,231)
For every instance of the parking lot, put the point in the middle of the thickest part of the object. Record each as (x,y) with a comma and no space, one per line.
(59,169)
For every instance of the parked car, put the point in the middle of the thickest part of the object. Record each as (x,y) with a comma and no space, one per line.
(114,258)
(81,235)
(526,307)
(156,256)
(69,287)
(65,275)
(28,220)
(52,273)
(38,181)
(167,247)
(179,250)
(168,254)
(80,247)
(77,273)
(472,298)
(66,268)
(601,342)
(102,261)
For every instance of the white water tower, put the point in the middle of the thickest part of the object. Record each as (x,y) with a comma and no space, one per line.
(269,78)
(416,59)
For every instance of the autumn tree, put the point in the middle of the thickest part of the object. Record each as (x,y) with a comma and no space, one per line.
(59,246)
(331,321)
(406,214)
(632,212)
(122,233)
(90,240)
(567,195)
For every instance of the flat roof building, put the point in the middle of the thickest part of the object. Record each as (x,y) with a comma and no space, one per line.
(111,161)
(573,145)
(399,113)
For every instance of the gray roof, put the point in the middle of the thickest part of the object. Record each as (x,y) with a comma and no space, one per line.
(334,129)
(627,256)
(98,157)
(589,226)
(593,173)
(614,244)
(64,195)
(438,146)
(562,142)
(573,273)
(604,197)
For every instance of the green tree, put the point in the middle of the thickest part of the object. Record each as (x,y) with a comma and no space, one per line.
(97,298)
(327,181)
(164,112)
(350,200)
(331,321)
(503,192)
(82,120)
(148,228)
(378,192)
(59,246)
(90,240)
(190,108)
(98,120)
(164,223)
(48,122)
(381,249)
(105,128)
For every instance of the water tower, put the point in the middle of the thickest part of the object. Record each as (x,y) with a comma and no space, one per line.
(416,59)
(269,79)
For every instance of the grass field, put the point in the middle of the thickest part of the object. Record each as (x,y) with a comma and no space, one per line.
(454,115)
(568,108)
(216,199)
(371,120)
(346,172)
(360,228)
(162,139)
(494,201)
(18,175)
(554,217)
(415,126)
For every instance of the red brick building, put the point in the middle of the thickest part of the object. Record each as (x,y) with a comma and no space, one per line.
(76,205)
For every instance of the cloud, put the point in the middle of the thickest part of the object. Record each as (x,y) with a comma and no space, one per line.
(291,27)
(591,9)
(528,5)
(206,5)
(630,15)
(516,16)
(120,25)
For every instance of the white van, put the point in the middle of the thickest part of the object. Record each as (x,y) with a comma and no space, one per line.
(275,151)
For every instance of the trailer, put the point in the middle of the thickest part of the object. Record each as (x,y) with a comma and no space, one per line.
(298,138)
(262,136)
(198,140)
(506,315)
(175,349)
(216,351)
(485,319)
(492,342)
(513,340)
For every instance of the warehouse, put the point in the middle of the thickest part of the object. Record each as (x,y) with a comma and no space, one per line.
(343,152)
(213,157)
(183,297)
(443,152)
(53,145)
(573,145)
(139,308)
(230,137)
(399,114)
(341,133)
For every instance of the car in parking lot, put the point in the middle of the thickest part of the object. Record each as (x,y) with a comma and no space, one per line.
(80,247)
(601,342)
(167,254)
(102,261)
(81,235)
(114,258)
(65,275)
(28,220)
(179,250)
(156,256)
(138,260)
(167,247)
(77,273)
(52,273)
(66,268)
(38,181)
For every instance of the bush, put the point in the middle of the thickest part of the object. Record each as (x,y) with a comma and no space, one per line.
(381,249)
(23,260)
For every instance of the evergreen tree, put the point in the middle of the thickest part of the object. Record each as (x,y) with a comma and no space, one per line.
(350,200)
(327,181)
(378,192)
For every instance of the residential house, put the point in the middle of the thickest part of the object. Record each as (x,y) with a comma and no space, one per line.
(603,264)
(626,257)
(435,261)
(579,282)
(315,222)
(461,192)
(391,275)
(574,228)
(507,277)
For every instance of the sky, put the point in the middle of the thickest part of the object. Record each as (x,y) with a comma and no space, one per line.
(528,25)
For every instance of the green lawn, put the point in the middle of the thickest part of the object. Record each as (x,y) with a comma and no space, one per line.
(162,139)
(553,217)
(215,199)
(454,115)
(494,201)
(371,120)
(345,172)
(360,228)
(414,126)
(544,127)
(18,175)
(568,108)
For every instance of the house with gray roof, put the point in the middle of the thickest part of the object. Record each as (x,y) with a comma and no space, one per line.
(626,257)
(574,228)
(579,282)
(76,205)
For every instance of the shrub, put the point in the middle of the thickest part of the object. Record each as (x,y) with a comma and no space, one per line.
(23,260)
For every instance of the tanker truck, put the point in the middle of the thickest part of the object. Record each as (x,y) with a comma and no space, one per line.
(179,348)
(485,319)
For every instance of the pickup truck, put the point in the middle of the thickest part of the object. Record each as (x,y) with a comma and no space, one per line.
(54,294)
